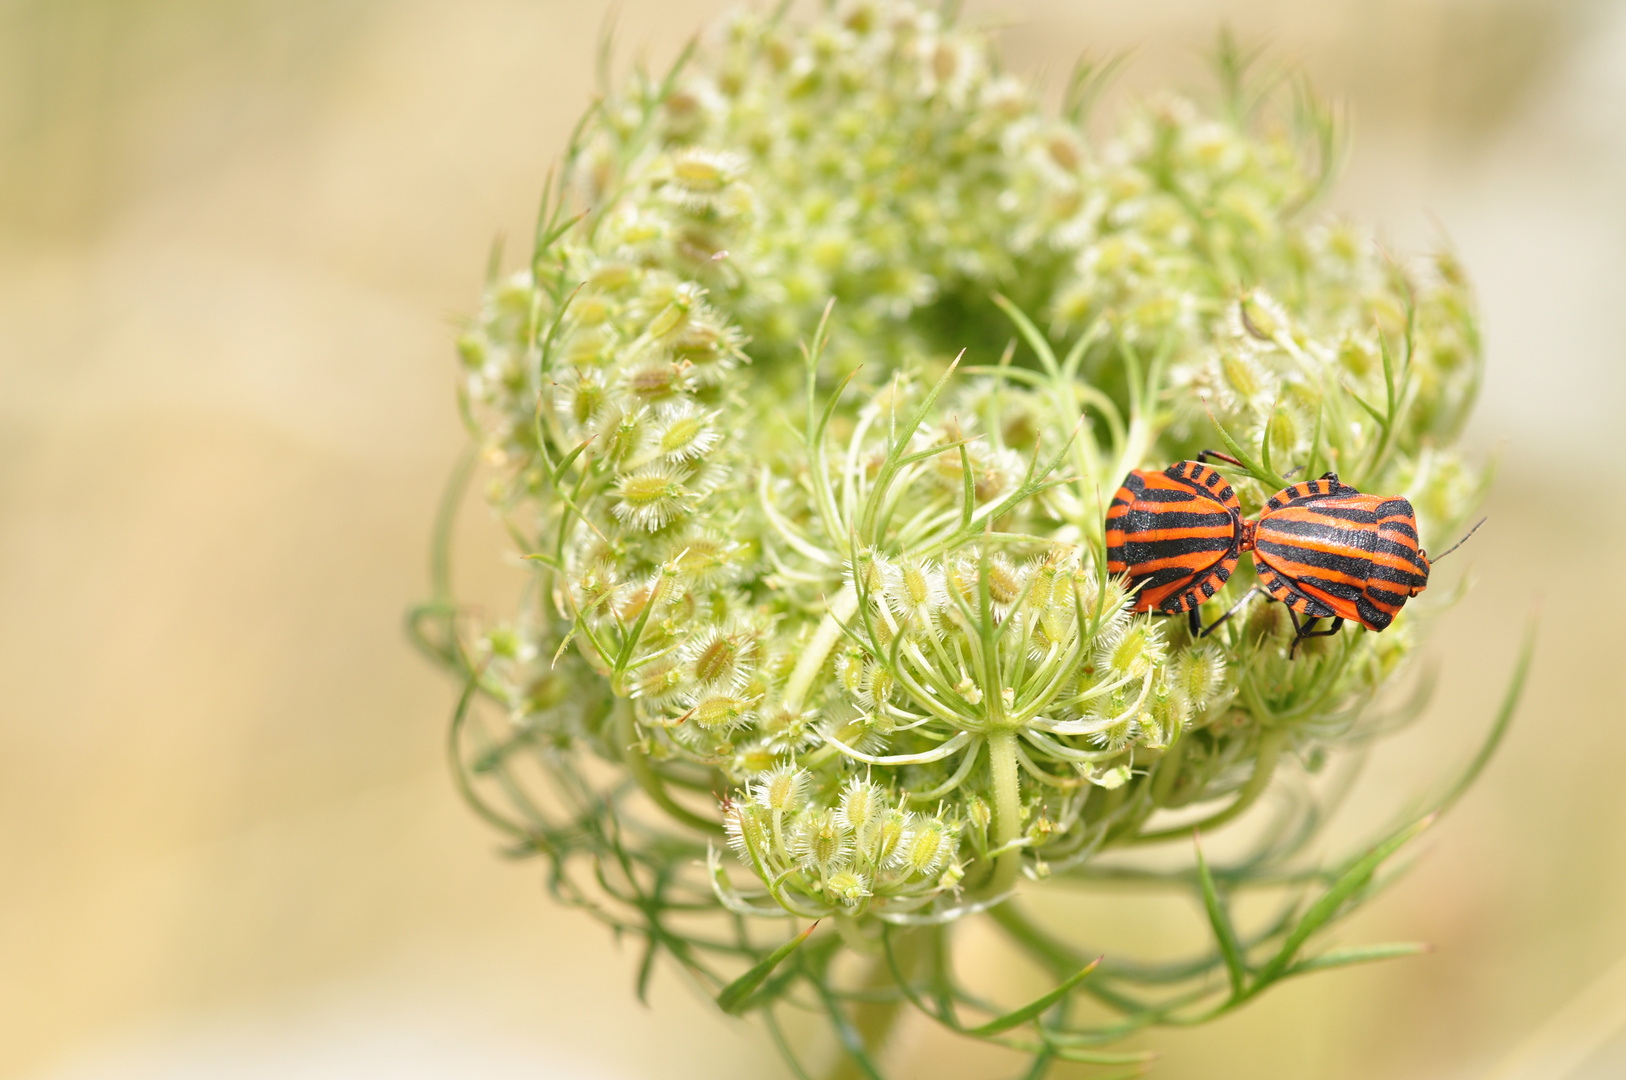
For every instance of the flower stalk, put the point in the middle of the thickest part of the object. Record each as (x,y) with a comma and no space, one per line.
(1005,778)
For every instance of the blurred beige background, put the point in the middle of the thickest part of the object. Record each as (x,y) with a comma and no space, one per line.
(233,235)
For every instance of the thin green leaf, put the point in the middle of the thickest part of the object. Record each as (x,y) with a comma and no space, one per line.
(669,83)
(646,967)
(1030,333)
(1081,1054)
(545,238)
(932,451)
(1075,355)
(437,651)
(564,643)
(783,1045)
(1088,80)
(494,256)
(810,358)
(1105,1057)
(1039,1068)
(1122,1074)
(1361,954)
(943,1013)
(968,504)
(460,774)
(580,625)
(1016,374)
(736,996)
(890,467)
(1131,359)
(851,1040)
(1258,471)
(1388,372)
(1370,411)
(1032,1009)
(546,214)
(602,71)
(1220,920)
(1504,718)
(816,437)
(1264,438)
(1312,466)
(565,462)
(824,497)
(1352,880)
(544,343)
(630,643)
(440,546)
(1033,483)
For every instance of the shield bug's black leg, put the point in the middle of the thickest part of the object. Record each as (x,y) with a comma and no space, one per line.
(1298,630)
(1217,622)
(1337,625)
(1307,630)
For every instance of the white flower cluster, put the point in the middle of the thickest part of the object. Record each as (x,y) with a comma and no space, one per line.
(843,855)
(872,603)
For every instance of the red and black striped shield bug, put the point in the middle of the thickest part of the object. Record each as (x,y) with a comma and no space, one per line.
(1177,534)
(1328,551)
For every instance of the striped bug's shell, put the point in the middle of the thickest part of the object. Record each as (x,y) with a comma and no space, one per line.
(1326,550)
(1177,534)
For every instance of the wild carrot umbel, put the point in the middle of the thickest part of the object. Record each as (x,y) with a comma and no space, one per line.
(803,413)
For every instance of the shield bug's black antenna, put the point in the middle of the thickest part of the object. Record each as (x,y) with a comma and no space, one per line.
(1459,543)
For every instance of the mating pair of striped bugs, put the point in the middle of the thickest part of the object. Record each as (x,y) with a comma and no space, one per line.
(1321,547)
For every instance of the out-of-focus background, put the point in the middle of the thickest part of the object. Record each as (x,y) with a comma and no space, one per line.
(233,237)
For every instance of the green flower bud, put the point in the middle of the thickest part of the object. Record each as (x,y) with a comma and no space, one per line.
(892,829)
(924,850)
(979,813)
(650,498)
(717,712)
(862,805)
(1197,677)
(682,432)
(782,789)
(847,886)
(747,829)
(1134,647)
(823,842)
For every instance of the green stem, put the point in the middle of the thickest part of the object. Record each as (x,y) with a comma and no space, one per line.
(1007,809)
(853,937)
(1270,750)
(1168,771)
(648,779)
(874,1020)
(824,639)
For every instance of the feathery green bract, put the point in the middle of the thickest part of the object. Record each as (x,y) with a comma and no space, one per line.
(736,997)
